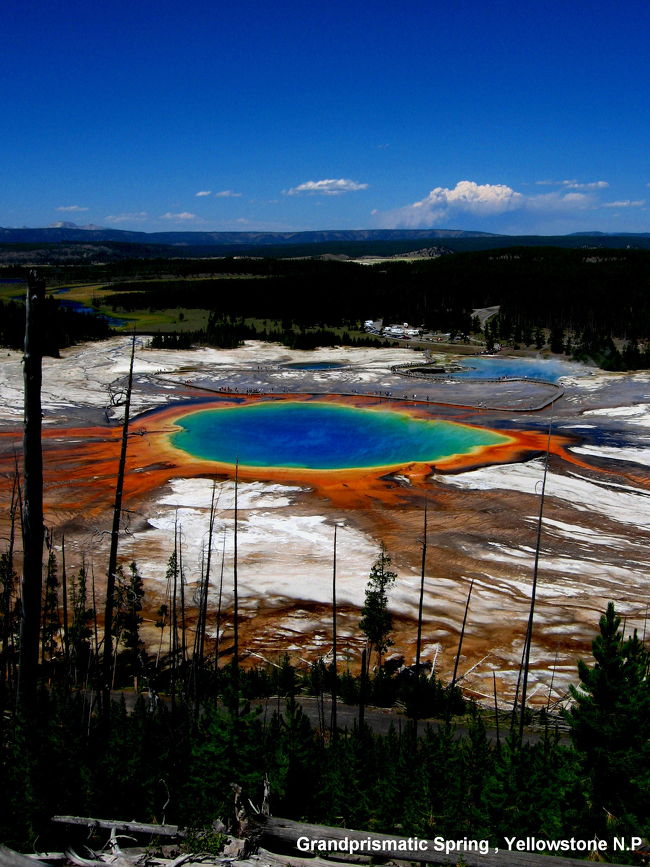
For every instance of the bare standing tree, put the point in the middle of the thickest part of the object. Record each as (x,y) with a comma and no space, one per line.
(418,644)
(334,658)
(533,592)
(107,662)
(33,530)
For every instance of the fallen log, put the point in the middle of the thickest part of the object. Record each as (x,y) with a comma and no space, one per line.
(47,857)
(265,858)
(122,827)
(287,833)
(9,858)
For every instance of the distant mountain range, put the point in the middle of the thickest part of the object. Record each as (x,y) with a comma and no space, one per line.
(609,235)
(70,243)
(67,232)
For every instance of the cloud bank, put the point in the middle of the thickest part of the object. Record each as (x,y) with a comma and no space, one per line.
(626,203)
(467,198)
(575,185)
(327,187)
(133,217)
(184,215)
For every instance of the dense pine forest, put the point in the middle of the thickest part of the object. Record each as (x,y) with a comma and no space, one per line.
(591,304)
(546,287)
(65,327)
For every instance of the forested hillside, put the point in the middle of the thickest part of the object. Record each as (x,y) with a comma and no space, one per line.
(593,305)
(65,326)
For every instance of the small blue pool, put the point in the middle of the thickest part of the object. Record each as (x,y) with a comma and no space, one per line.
(313,365)
(548,369)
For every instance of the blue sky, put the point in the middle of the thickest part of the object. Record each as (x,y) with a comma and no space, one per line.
(496,115)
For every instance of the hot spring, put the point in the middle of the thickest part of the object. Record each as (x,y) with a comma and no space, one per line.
(322,436)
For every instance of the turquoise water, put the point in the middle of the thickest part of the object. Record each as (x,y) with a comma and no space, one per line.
(548,369)
(322,436)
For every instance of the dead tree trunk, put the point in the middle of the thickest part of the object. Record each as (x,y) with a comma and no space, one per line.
(217,648)
(458,653)
(182,580)
(174,615)
(334,659)
(235,655)
(362,690)
(33,531)
(533,593)
(418,645)
(107,662)
(198,661)
(64,592)
(206,583)
(462,635)
(8,588)
(496,708)
(283,834)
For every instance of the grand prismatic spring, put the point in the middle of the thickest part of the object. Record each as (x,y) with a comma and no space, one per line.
(324,436)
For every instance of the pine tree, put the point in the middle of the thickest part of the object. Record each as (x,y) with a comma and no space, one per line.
(376,621)
(80,631)
(556,339)
(51,621)
(610,722)
(129,593)
(9,620)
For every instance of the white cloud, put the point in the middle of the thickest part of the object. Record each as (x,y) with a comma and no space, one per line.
(627,203)
(591,185)
(473,197)
(466,197)
(71,208)
(136,217)
(559,202)
(491,201)
(227,194)
(327,187)
(203,193)
(184,215)
(575,185)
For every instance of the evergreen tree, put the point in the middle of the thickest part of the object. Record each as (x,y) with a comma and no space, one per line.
(129,593)
(293,757)
(80,631)
(489,337)
(376,620)
(51,621)
(9,619)
(556,339)
(610,724)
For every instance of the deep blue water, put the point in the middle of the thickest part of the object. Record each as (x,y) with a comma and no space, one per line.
(322,436)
